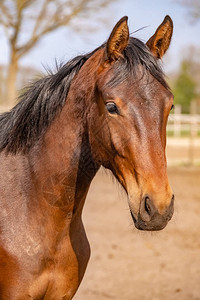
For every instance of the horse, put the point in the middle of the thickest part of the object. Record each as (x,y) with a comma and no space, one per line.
(107,108)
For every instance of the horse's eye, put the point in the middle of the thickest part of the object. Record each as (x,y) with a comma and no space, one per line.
(112,108)
(172,107)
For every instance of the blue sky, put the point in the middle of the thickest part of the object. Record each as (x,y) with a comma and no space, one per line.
(64,43)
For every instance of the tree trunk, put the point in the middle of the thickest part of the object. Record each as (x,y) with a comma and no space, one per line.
(11,80)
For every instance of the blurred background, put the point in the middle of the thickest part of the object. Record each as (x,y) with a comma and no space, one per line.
(37,35)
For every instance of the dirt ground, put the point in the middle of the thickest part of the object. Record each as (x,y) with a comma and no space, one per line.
(127,264)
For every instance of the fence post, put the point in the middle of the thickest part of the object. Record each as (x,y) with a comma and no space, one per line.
(177,121)
(193,131)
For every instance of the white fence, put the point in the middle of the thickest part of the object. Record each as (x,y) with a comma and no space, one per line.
(183,125)
(183,142)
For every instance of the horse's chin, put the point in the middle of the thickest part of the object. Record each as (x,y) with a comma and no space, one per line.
(156,224)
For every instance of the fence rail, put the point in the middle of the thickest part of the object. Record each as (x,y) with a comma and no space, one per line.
(183,143)
(180,125)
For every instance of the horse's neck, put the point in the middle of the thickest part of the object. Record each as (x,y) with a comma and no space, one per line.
(62,164)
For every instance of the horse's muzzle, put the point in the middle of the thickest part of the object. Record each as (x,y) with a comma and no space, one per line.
(149,218)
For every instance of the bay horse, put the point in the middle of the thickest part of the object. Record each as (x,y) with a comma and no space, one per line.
(106,108)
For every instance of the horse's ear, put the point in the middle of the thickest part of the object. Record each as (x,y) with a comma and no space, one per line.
(118,40)
(160,41)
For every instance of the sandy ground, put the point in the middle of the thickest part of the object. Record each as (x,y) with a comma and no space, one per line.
(127,264)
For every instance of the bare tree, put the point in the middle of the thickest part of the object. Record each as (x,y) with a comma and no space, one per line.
(25,22)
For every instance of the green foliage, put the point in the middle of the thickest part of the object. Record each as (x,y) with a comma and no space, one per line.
(184,88)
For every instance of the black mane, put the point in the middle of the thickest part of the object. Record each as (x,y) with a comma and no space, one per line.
(40,103)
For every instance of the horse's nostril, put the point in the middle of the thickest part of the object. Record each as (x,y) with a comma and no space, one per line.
(147,205)
(147,209)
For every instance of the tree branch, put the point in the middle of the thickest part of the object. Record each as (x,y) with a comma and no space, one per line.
(56,21)
(17,25)
(5,16)
(25,3)
(40,18)
(52,15)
